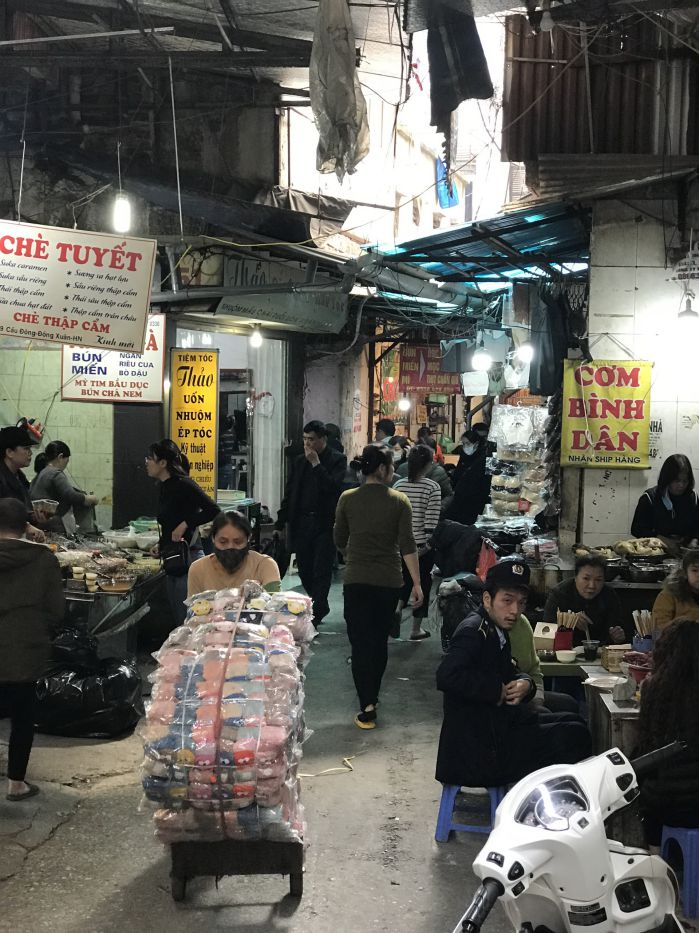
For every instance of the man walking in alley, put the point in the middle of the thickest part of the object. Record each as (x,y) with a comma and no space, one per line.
(307,513)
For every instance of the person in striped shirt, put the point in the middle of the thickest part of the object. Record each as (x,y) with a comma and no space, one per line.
(426,499)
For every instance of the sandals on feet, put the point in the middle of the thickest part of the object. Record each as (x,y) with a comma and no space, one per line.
(32,792)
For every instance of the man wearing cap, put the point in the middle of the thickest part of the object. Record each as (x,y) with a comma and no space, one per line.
(490,735)
(15,454)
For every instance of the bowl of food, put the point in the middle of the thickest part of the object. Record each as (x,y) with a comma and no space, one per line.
(120,583)
(645,572)
(566,657)
(47,506)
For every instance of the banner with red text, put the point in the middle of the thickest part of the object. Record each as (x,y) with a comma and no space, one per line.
(75,287)
(90,375)
(421,368)
(606,414)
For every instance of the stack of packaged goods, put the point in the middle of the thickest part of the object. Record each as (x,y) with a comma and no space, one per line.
(225,724)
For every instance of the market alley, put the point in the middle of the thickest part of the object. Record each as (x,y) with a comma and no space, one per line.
(94,865)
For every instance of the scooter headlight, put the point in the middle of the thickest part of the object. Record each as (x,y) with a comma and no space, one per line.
(553,804)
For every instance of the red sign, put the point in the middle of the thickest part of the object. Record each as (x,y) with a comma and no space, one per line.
(421,368)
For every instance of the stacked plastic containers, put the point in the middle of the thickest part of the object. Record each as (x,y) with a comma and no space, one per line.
(225,725)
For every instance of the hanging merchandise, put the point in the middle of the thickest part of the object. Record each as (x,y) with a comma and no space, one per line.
(225,723)
(337,100)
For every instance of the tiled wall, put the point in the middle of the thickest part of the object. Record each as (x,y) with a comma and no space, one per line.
(84,426)
(633,315)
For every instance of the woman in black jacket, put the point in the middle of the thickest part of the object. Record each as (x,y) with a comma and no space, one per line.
(669,712)
(670,510)
(182,508)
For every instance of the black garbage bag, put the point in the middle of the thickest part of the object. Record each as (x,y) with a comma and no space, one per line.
(73,647)
(99,702)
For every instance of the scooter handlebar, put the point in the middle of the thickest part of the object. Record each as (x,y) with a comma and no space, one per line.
(652,760)
(483,902)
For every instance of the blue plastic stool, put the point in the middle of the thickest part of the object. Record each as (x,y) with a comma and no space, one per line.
(688,841)
(447,805)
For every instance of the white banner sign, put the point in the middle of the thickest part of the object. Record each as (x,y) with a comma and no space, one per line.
(74,286)
(316,312)
(91,375)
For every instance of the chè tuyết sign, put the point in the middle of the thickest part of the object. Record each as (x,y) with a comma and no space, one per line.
(74,286)
(606,414)
(194,412)
(90,375)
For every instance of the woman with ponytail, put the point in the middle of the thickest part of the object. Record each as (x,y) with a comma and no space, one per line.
(182,508)
(373,527)
(426,501)
(51,482)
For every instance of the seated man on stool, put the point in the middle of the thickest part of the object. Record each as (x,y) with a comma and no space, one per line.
(491,735)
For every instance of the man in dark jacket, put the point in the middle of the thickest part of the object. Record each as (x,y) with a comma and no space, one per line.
(490,736)
(16,454)
(32,604)
(308,513)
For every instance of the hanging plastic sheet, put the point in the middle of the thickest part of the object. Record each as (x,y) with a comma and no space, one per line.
(338,104)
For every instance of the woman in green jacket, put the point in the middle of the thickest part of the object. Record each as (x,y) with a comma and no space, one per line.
(373,527)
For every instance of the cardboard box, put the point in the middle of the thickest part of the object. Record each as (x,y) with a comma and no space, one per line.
(544,635)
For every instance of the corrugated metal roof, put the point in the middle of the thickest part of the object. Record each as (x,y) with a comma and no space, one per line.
(531,243)
(638,74)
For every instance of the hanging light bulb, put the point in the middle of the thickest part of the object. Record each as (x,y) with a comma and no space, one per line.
(121,218)
(525,353)
(482,360)
(404,404)
(256,338)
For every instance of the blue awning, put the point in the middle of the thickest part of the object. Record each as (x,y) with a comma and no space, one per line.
(537,242)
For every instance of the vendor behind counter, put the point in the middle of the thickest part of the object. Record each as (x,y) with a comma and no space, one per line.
(587,593)
(670,510)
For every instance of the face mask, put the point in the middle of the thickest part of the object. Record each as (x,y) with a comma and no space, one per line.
(231,558)
(397,456)
(469,449)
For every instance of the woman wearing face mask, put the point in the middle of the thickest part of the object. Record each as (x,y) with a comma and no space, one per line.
(182,508)
(669,511)
(373,527)
(51,482)
(401,448)
(470,480)
(232,562)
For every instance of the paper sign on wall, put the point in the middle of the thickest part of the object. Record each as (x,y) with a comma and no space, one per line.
(606,414)
(74,286)
(90,375)
(194,412)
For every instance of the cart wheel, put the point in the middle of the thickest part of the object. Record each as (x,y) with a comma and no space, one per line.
(178,888)
(296,884)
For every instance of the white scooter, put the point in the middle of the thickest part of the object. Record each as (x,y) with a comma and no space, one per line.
(549,861)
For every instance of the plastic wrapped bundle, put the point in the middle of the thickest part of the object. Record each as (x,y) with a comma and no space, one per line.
(224,727)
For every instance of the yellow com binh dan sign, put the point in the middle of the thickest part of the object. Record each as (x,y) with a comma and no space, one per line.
(194,412)
(606,414)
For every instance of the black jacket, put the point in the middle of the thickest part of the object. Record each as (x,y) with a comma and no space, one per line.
(456,547)
(14,486)
(473,745)
(327,479)
(471,487)
(182,500)
(652,517)
(32,606)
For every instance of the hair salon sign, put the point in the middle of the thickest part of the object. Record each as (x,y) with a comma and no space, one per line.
(606,414)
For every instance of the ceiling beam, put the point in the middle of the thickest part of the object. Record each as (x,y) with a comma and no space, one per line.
(150,58)
(204,29)
(594,10)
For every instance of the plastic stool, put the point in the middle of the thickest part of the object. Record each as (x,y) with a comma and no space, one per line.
(688,841)
(445,820)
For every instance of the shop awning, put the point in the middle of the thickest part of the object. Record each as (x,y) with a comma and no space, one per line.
(537,242)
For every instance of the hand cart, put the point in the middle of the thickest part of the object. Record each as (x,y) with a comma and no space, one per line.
(231,857)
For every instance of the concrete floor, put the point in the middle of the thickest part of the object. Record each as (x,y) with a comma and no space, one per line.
(81,857)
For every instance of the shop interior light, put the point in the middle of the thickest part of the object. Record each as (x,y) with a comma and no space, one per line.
(256,338)
(404,404)
(482,360)
(525,353)
(121,218)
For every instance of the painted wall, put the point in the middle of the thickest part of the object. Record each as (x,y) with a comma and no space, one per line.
(633,315)
(337,389)
(30,381)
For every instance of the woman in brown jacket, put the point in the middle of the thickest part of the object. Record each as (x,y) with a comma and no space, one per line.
(32,604)
(679,598)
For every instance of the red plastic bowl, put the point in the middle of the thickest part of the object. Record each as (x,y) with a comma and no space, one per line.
(639,674)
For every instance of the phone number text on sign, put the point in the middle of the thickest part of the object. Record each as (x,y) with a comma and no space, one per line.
(74,286)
